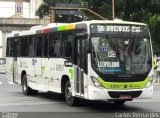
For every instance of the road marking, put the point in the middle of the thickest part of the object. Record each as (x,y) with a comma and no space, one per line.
(10,82)
(29,103)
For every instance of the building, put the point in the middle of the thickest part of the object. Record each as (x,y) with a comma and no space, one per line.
(17,15)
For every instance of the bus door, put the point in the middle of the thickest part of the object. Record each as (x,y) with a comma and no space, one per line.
(79,68)
(15,54)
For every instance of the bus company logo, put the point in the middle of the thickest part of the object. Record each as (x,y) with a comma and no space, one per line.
(115,86)
(125,86)
(130,86)
(136,86)
(59,67)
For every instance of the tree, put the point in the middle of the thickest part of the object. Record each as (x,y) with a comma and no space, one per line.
(154,25)
(136,10)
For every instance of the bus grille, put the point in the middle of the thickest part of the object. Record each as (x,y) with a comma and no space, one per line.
(117,94)
(124,79)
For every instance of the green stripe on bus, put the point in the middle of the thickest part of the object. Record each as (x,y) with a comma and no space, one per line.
(60,28)
(43,69)
(11,68)
(71,73)
(124,85)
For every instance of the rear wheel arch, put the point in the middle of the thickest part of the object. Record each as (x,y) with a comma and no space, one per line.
(25,88)
(64,80)
(22,74)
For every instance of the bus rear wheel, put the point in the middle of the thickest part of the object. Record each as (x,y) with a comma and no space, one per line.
(72,101)
(26,89)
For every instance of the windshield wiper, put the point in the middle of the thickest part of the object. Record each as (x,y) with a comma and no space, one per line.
(112,44)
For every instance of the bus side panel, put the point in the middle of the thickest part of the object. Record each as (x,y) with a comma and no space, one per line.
(53,70)
(55,73)
(25,64)
(32,79)
(9,68)
(31,73)
(41,82)
(46,73)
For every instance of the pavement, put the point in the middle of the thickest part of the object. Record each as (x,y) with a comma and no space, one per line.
(46,105)
(157,81)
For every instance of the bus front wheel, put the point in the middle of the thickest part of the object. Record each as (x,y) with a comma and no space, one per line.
(72,101)
(26,89)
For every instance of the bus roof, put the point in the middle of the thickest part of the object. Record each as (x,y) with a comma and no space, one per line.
(53,27)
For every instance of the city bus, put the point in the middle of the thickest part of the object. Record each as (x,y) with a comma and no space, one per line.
(83,60)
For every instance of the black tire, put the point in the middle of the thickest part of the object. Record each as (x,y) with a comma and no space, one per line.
(119,102)
(27,90)
(72,101)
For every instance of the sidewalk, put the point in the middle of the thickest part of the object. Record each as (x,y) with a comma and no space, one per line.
(156,82)
(156,89)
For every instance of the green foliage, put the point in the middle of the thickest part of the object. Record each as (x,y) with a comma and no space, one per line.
(134,10)
(154,25)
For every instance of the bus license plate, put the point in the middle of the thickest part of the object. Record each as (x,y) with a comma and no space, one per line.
(125,97)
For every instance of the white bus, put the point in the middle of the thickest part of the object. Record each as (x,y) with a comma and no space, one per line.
(84,60)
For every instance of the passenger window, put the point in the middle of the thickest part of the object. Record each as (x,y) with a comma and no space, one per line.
(38,44)
(46,45)
(24,46)
(54,45)
(31,46)
(9,52)
(67,45)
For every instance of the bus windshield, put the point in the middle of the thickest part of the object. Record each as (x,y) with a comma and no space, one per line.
(121,55)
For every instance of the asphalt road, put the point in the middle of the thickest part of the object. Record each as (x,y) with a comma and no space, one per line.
(43,104)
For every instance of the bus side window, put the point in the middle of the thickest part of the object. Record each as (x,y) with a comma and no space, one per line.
(24,46)
(78,52)
(31,46)
(67,40)
(38,45)
(9,52)
(54,44)
(16,47)
(46,45)
(8,47)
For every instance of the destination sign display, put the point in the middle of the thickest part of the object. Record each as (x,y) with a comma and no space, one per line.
(118,29)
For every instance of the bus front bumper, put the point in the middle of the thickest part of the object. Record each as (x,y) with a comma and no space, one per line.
(95,93)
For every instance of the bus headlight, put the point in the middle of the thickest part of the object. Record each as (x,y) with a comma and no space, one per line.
(150,83)
(96,82)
